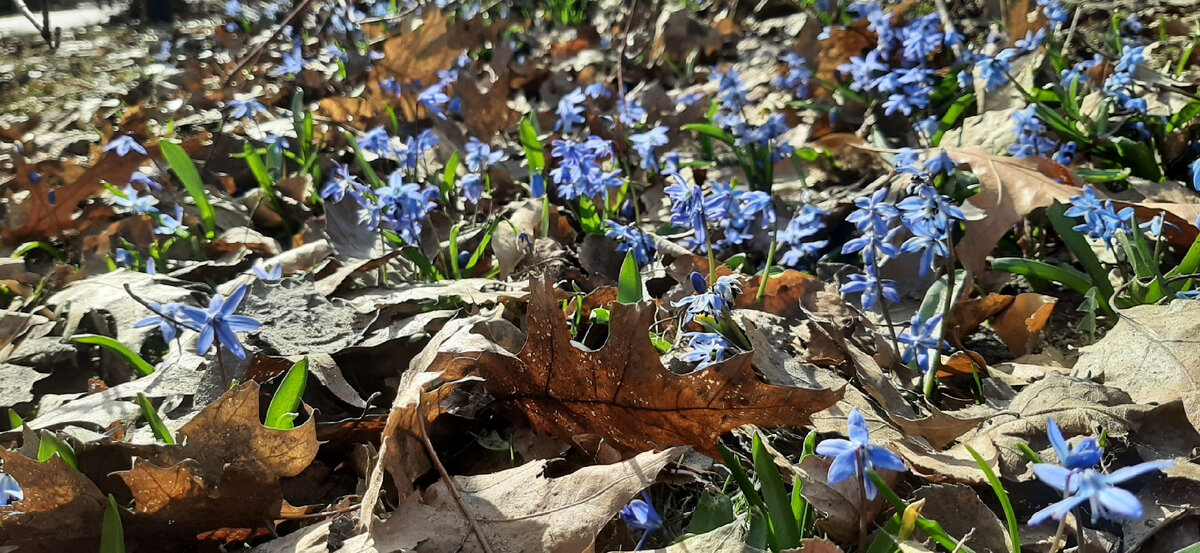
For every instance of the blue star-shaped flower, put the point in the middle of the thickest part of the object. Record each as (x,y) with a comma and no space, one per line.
(122,145)
(856,456)
(218,322)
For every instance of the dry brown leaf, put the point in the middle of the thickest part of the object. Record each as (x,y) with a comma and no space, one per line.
(62,509)
(1021,324)
(226,472)
(353,112)
(416,55)
(519,509)
(839,504)
(968,314)
(488,112)
(842,44)
(787,294)
(1009,189)
(962,515)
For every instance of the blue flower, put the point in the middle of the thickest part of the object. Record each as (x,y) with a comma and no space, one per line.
(233,8)
(1085,454)
(640,514)
(136,205)
(687,206)
(807,222)
(403,206)
(1055,12)
(276,144)
(169,315)
(597,90)
(1031,41)
(10,491)
(941,164)
(245,109)
(342,183)
(1065,154)
(1100,220)
(123,257)
(709,301)
(856,456)
(275,272)
(631,113)
(167,224)
(141,178)
(480,155)
(865,284)
(1031,135)
(570,111)
(1195,168)
(218,322)
(631,239)
(472,187)
(433,98)
(645,143)
(1096,488)
(376,141)
(797,77)
(921,342)
(708,348)
(731,91)
(994,70)
(291,63)
(124,144)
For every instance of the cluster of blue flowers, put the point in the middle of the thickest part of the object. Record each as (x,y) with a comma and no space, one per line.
(797,238)
(479,158)
(1101,221)
(630,238)
(708,300)
(1119,85)
(738,213)
(580,172)
(873,219)
(734,100)
(398,206)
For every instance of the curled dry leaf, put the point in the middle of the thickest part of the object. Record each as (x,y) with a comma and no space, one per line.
(839,504)
(1021,324)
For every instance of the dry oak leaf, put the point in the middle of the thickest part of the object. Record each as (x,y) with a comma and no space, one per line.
(62,509)
(226,473)
(621,392)
(1009,189)
(415,55)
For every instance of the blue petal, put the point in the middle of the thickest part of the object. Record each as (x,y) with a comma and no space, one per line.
(833,447)
(1056,510)
(858,427)
(1120,502)
(1052,475)
(205,341)
(881,457)
(148,322)
(1128,473)
(231,303)
(844,466)
(230,340)
(1057,441)
(242,323)
(194,315)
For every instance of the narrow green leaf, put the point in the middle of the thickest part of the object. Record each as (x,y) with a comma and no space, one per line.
(1014,527)
(1071,278)
(156,423)
(1079,247)
(14,420)
(185,170)
(47,247)
(775,495)
(368,171)
(629,286)
(739,475)
(1186,114)
(285,404)
(1103,175)
(258,169)
(454,232)
(50,445)
(133,359)
(710,130)
(1029,453)
(449,175)
(112,534)
(713,511)
(534,151)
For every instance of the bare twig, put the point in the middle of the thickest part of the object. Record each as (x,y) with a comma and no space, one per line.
(43,27)
(948,26)
(483,543)
(257,51)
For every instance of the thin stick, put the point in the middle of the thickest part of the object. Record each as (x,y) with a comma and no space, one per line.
(1054,543)
(450,483)
(948,25)
(1071,31)
(303,5)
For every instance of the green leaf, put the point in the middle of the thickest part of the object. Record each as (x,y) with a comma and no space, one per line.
(534,150)
(1014,528)
(589,217)
(112,534)
(14,420)
(185,170)
(50,445)
(600,315)
(156,423)
(1186,114)
(134,360)
(1029,453)
(953,114)
(454,232)
(449,175)
(629,286)
(775,495)
(739,475)
(710,130)
(1066,276)
(1079,247)
(713,511)
(1103,175)
(285,404)
(27,247)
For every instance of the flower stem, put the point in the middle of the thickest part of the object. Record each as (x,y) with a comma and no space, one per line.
(862,503)
(929,382)
(887,316)
(762,286)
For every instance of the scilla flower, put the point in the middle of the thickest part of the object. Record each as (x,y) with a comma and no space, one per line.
(856,456)
(640,514)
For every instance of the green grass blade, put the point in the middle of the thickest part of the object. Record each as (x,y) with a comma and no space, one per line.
(534,151)
(1071,278)
(14,420)
(775,495)
(156,423)
(47,247)
(112,534)
(285,405)
(629,286)
(1014,527)
(1029,453)
(110,344)
(185,170)
(50,445)
(454,232)
(710,130)
(1079,247)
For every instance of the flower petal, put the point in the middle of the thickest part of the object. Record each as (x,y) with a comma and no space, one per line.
(242,323)
(1120,502)
(1056,441)
(858,427)
(1129,473)
(881,457)
(206,340)
(234,299)
(230,340)
(844,466)
(1052,475)
(1056,510)
(833,447)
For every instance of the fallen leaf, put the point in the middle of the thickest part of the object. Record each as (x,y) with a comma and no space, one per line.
(962,515)
(61,511)
(1020,325)
(840,503)
(489,112)
(417,54)
(968,314)
(787,294)
(730,538)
